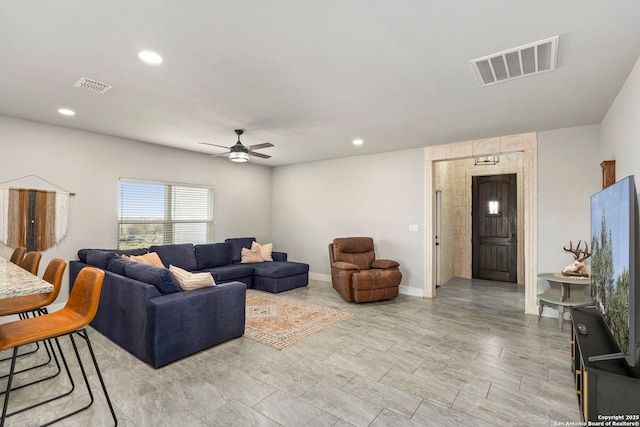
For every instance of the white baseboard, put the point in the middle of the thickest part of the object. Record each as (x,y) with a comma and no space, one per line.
(320,277)
(414,292)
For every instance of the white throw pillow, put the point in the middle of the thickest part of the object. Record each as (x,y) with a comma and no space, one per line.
(265,250)
(189,281)
(251,255)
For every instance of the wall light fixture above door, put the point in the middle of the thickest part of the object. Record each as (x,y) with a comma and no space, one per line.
(487,160)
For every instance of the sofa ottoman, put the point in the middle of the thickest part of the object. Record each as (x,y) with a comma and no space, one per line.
(278,276)
(274,276)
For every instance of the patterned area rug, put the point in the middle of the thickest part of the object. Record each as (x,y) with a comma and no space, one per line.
(281,322)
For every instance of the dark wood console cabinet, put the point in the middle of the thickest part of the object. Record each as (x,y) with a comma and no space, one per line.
(607,387)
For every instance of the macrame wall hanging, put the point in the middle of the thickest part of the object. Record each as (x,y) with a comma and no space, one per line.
(33,218)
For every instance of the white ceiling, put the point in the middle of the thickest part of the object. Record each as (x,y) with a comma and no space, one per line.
(307,75)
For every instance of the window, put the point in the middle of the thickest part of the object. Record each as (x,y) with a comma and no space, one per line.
(494,207)
(157,213)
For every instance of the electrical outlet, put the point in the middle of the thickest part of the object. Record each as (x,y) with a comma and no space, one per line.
(413,227)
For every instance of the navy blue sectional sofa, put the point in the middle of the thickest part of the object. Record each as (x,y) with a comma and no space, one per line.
(223,261)
(143,309)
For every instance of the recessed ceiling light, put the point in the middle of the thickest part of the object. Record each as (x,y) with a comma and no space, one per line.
(150,57)
(358,142)
(66,112)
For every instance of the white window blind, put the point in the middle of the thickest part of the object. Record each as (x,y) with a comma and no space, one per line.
(158,213)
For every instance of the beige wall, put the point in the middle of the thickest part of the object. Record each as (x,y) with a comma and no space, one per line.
(376,195)
(90,164)
(571,174)
(620,130)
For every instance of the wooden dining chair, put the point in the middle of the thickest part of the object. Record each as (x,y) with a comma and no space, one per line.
(79,311)
(18,255)
(31,262)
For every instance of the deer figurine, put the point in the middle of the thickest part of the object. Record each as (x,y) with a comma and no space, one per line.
(577,268)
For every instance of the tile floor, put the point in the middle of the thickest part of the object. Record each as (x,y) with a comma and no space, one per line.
(469,357)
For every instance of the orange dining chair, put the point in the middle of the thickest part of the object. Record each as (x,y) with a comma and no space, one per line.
(36,304)
(79,311)
(18,255)
(31,262)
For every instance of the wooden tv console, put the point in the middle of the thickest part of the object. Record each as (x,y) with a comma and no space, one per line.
(606,388)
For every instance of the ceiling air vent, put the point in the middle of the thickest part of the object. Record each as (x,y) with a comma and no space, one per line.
(92,85)
(527,60)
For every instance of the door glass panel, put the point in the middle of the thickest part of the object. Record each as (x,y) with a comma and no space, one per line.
(494,207)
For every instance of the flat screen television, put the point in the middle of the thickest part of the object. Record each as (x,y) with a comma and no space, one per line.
(614,287)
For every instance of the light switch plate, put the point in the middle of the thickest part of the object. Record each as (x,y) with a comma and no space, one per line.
(413,227)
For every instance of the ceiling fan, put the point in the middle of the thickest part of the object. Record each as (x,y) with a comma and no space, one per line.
(239,152)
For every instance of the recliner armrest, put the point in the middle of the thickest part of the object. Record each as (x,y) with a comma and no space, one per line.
(341,265)
(384,264)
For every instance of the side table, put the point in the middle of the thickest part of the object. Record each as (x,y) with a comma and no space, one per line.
(562,297)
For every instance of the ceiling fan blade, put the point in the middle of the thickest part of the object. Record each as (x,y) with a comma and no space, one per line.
(262,156)
(213,145)
(259,146)
(239,148)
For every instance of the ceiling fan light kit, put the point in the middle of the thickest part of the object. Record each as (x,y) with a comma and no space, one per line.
(239,153)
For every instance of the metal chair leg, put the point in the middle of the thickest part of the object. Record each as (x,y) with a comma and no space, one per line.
(51,399)
(6,396)
(4,359)
(83,334)
(51,352)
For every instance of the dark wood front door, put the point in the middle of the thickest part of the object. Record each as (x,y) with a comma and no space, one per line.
(494,227)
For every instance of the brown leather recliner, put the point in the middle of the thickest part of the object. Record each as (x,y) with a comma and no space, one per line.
(356,273)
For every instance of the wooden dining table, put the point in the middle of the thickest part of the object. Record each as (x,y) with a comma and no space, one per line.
(15,281)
